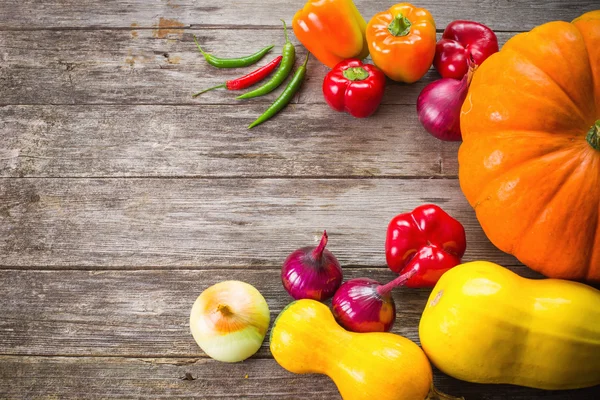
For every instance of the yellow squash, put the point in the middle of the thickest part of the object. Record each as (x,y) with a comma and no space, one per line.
(483,323)
(306,339)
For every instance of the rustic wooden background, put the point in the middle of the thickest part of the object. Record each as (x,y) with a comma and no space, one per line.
(122,198)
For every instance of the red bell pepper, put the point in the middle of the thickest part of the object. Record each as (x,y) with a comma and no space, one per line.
(463,41)
(354,87)
(427,240)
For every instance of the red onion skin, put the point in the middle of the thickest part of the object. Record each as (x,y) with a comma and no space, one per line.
(439,104)
(463,41)
(312,273)
(358,307)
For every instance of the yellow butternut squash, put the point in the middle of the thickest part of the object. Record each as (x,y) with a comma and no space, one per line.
(484,323)
(306,339)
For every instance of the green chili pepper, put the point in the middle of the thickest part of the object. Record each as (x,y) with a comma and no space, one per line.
(285,97)
(233,62)
(289,57)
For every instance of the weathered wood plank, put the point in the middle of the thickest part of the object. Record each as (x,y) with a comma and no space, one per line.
(213,222)
(127,378)
(140,67)
(143,313)
(500,14)
(212,141)
(139,313)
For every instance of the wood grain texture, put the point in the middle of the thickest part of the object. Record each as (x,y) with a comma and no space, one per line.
(213,222)
(122,198)
(507,15)
(139,67)
(144,313)
(134,378)
(140,313)
(212,141)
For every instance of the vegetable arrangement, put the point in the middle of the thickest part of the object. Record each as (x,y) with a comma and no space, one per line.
(529,119)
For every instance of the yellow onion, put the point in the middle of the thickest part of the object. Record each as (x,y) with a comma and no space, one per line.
(229,321)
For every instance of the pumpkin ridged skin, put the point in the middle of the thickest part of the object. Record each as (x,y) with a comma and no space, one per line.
(306,339)
(525,165)
(485,324)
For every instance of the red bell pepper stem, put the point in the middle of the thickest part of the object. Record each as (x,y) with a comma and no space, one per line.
(248,79)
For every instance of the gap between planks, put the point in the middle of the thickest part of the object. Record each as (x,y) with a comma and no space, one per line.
(186,27)
(246,177)
(125,268)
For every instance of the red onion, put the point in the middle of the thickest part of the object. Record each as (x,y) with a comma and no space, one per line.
(364,305)
(312,272)
(439,106)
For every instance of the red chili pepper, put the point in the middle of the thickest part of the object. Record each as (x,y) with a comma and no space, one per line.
(427,240)
(247,80)
(354,87)
(461,41)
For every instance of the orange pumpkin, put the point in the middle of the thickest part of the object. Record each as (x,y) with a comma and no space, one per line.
(530,158)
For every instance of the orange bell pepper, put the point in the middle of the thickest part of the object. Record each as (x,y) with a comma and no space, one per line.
(332,30)
(402,42)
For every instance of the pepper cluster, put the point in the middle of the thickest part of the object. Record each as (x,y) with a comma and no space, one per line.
(402,44)
(285,63)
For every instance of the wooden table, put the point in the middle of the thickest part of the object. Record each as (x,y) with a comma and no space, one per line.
(122,198)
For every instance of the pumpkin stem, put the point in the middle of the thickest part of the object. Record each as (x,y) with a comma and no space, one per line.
(593,135)
(434,394)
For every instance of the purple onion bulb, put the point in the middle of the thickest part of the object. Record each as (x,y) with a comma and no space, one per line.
(358,307)
(365,305)
(439,105)
(312,272)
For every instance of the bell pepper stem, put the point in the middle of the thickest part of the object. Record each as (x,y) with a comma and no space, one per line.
(356,74)
(593,135)
(384,290)
(209,89)
(318,251)
(434,394)
(400,26)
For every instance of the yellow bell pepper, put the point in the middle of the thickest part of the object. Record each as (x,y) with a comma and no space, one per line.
(332,30)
